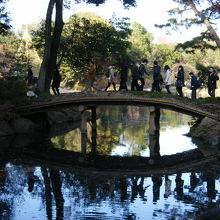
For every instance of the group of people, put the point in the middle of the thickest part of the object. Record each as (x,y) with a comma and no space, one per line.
(195,83)
(31,82)
(138,72)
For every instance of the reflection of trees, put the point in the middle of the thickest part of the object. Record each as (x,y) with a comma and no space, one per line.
(116,124)
(126,122)
(173,119)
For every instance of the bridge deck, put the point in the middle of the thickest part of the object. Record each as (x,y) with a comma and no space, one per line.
(184,105)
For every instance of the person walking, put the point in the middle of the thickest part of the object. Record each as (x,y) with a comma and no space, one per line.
(212,79)
(123,77)
(142,72)
(135,76)
(56,81)
(30,80)
(180,81)
(194,85)
(157,78)
(111,78)
(90,75)
(168,78)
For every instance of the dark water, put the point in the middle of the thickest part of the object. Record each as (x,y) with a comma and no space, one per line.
(128,163)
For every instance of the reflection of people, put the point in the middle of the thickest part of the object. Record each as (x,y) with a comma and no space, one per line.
(56,81)
(210,179)
(212,79)
(180,81)
(30,178)
(167,187)
(138,188)
(157,182)
(111,78)
(179,186)
(168,78)
(193,181)
(123,185)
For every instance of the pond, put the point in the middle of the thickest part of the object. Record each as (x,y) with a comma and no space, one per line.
(118,162)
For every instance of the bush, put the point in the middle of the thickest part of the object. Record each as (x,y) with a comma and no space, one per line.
(12,90)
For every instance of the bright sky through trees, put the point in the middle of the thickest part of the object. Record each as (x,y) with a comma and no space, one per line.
(147,13)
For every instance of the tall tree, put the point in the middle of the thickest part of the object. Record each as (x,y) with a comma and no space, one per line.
(86,36)
(52,41)
(205,12)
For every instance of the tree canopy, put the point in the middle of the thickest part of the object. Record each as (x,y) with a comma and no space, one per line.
(87,37)
(52,38)
(196,12)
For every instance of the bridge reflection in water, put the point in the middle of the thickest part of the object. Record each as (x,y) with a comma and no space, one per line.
(88,184)
(152,135)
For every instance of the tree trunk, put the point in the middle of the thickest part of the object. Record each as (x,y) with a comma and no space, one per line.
(46,58)
(52,45)
(206,22)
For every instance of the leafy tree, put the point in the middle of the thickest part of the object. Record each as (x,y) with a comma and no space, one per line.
(165,54)
(52,38)
(141,42)
(87,36)
(92,38)
(205,12)
(4,18)
(18,53)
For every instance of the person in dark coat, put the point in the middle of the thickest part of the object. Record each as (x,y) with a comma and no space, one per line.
(157,77)
(180,81)
(212,79)
(194,85)
(56,81)
(142,72)
(30,80)
(123,77)
(135,76)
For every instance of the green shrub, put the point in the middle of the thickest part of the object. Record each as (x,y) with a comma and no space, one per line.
(12,90)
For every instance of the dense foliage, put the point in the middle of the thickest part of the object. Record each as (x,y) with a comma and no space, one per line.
(4,18)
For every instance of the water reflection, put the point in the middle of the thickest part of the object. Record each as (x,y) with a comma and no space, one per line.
(57,194)
(128,131)
(81,175)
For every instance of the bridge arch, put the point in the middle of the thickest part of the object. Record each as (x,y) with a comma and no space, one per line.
(116,98)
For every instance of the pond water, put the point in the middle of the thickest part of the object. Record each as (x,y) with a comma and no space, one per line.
(143,166)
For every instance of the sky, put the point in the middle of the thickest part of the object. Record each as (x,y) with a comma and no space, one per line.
(32,11)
